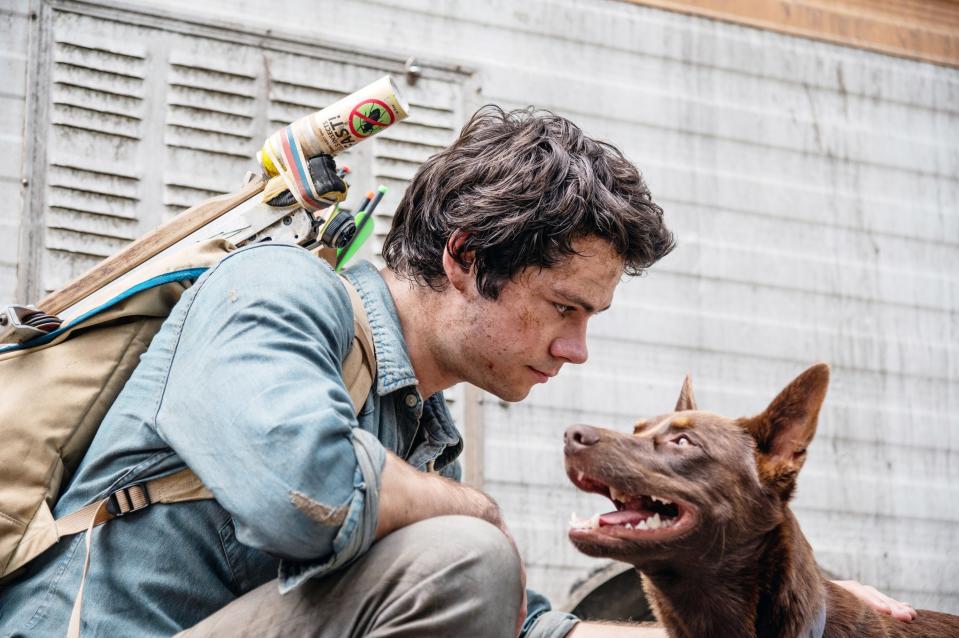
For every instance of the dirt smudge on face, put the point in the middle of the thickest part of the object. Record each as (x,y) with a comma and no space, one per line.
(526,319)
(487,362)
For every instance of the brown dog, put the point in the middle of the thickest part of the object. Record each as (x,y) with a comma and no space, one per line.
(702,511)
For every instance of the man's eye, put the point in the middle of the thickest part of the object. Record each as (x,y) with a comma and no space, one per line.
(563,309)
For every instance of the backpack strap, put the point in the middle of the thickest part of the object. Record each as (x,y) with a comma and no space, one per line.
(359,373)
(359,366)
(178,487)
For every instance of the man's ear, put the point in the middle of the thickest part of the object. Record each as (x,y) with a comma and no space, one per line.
(687,400)
(457,265)
(786,428)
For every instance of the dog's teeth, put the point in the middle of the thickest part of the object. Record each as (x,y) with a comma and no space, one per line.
(616,495)
(661,500)
(576,522)
(629,526)
(579,475)
(654,522)
(642,525)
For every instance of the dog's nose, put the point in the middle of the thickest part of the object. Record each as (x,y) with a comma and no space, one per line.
(578,437)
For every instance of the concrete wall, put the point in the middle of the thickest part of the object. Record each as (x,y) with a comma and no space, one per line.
(814,190)
(14,50)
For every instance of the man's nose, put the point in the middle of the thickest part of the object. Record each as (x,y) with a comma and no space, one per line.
(579,437)
(572,348)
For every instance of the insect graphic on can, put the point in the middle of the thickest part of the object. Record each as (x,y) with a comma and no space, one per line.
(369,117)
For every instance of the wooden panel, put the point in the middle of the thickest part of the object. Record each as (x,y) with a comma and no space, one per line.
(919,29)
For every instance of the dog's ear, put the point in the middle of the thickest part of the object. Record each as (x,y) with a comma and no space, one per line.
(686,401)
(786,428)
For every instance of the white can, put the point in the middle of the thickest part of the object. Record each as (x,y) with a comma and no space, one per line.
(339,126)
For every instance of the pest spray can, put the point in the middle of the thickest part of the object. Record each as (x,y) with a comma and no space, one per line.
(339,126)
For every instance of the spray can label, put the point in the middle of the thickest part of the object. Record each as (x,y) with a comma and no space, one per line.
(341,125)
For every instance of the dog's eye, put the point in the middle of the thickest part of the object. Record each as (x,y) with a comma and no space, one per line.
(682,440)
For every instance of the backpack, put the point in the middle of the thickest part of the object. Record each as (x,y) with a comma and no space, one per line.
(57,388)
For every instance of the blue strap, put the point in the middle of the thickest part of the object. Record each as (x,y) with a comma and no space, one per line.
(818,626)
(153,282)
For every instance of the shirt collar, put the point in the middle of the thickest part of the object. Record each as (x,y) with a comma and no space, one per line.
(394,370)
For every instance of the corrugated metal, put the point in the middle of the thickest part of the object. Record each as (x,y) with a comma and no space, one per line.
(815,193)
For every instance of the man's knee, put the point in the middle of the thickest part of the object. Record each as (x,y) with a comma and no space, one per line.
(422,580)
(472,542)
(469,552)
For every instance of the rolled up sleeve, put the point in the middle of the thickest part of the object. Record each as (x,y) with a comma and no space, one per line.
(542,621)
(255,405)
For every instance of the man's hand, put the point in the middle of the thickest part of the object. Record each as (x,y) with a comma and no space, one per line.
(408,496)
(612,630)
(878,600)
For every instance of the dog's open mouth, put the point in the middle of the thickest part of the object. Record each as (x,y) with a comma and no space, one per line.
(637,516)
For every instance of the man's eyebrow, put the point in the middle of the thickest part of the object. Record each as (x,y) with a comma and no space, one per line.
(579,301)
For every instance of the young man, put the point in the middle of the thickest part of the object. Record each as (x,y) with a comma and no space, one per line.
(503,248)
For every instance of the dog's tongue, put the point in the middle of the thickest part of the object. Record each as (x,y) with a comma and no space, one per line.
(621,518)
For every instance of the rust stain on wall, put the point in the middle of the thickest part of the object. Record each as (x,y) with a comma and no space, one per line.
(927,31)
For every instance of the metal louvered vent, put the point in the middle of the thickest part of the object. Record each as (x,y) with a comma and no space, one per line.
(96,116)
(150,117)
(435,118)
(211,109)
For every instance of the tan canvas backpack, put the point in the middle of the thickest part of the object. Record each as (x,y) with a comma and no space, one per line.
(53,395)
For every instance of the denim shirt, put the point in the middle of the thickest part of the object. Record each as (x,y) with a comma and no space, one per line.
(243,385)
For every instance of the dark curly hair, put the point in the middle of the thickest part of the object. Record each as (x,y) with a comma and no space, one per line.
(522,186)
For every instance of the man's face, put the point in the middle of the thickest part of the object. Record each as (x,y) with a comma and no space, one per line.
(538,323)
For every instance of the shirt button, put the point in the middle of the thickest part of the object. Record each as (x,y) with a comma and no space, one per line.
(411,400)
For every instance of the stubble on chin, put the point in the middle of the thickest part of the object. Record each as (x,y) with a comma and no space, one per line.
(486,376)
(510,393)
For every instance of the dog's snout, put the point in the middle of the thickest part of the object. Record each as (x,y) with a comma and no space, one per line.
(578,437)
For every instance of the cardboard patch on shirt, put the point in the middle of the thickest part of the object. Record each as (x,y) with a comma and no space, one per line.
(319,512)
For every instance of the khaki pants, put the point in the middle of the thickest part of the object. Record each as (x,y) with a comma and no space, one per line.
(446,576)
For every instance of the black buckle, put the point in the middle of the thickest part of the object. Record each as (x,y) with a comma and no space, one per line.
(128,499)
